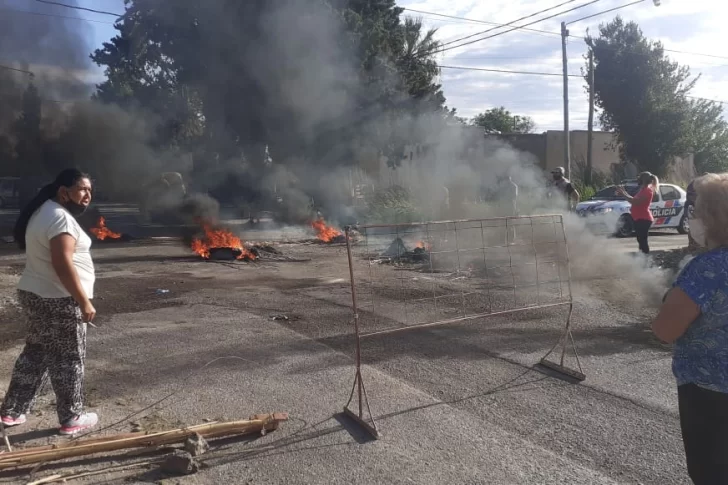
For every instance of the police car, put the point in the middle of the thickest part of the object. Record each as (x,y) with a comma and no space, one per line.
(608,212)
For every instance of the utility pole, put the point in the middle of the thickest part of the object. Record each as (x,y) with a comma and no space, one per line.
(588,174)
(567,138)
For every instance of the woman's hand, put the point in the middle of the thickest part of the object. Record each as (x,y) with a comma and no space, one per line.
(88,311)
(621,191)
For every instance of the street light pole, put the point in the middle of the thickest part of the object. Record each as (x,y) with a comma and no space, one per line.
(590,127)
(567,137)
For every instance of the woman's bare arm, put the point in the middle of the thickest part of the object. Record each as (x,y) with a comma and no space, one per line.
(62,249)
(633,200)
(676,314)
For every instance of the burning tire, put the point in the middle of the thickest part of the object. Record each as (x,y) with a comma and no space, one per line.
(220,244)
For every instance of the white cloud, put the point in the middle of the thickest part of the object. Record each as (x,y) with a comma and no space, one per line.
(692,26)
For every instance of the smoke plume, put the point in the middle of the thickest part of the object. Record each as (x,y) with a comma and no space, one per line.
(303,140)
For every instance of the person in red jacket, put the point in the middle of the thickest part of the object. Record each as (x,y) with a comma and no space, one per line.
(640,210)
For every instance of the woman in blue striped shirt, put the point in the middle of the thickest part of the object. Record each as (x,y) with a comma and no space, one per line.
(694,316)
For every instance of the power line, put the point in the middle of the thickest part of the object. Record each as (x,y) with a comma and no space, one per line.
(16,70)
(479,21)
(695,54)
(605,11)
(54,15)
(478,58)
(47,100)
(512,22)
(75,7)
(553,33)
(444,22)
(550,74)
(507,71)
(516,28)
(707,99)
(674,51)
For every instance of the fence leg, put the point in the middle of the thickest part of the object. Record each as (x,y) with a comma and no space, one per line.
(358,416)
(566,339)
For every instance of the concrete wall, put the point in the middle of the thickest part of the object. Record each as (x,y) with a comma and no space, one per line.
(548,148)
(605,154)
(532,143)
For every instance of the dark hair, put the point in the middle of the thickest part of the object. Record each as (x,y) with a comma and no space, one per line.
(67,178)
(648,178)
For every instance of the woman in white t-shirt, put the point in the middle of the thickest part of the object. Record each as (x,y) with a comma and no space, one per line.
(55,294)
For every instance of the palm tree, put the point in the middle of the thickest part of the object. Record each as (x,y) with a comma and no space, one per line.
(415,44)
(417,61)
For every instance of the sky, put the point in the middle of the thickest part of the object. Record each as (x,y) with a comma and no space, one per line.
(694,27)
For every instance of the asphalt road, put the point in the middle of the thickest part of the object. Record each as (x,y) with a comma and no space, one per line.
(455,404)
(124,218)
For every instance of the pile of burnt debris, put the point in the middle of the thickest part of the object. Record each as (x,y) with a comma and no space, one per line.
(251,252)
(398,253)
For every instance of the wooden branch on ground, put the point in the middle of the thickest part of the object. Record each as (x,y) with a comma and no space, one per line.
(5,437)
(74,476)
(256,424)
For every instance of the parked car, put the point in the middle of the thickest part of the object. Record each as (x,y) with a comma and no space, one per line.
(608,212)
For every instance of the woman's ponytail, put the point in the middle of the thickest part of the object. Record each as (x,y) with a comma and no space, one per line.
(67,178)
(43,195)
(655,182)
(648,178)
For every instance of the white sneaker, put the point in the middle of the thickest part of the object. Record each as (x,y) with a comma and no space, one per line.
(9,422)
(80,423)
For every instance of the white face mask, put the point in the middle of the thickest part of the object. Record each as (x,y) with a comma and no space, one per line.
(697,232)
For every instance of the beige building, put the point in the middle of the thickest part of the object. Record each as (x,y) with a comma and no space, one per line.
(460,153)
(548,148)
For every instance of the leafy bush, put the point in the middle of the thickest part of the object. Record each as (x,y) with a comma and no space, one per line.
(393,205)
(587,192)
(599,180)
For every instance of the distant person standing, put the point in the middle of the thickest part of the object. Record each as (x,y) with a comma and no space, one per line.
(509,202)
(562,187)
(445,202)
(511,195)
(640,211)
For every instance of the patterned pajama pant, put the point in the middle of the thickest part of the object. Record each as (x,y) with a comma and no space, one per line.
(55,347)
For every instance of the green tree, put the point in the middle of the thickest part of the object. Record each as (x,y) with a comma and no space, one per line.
(500,120)
(246,64)
(710,136)
(140,75)
(642,95)
(417,65)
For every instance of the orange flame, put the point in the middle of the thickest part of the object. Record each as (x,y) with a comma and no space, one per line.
(219,238)
(323,232)
(102,232)
(424,245)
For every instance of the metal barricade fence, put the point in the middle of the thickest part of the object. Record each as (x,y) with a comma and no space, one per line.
(419,275)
